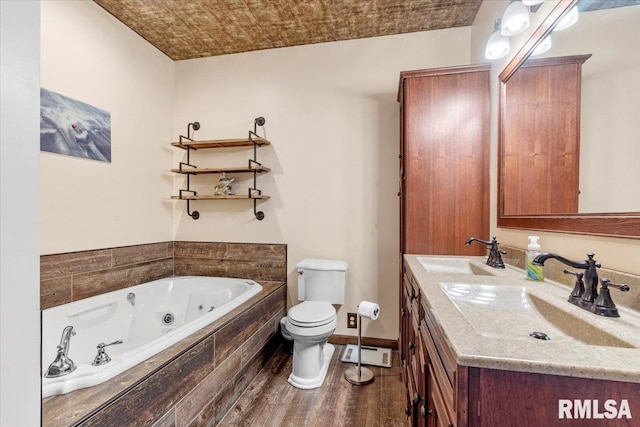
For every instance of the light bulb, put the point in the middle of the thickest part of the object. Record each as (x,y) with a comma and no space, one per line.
(531,2)
(498,46)
(515,19)
(568,20)
(544,46)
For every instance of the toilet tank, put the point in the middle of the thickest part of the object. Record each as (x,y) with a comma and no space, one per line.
(321,280)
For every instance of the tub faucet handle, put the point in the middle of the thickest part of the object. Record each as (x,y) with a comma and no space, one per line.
(102,357)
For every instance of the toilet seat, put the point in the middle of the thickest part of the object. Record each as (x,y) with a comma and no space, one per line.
(311,314)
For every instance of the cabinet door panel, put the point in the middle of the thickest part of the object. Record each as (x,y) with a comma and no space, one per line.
(442,414)
(446,185)
(541,145)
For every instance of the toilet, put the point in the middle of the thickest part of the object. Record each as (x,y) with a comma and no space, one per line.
(311,323)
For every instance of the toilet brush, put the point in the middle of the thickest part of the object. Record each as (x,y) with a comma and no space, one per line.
(358,375)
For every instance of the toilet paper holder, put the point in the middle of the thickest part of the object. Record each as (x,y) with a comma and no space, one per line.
(359,375)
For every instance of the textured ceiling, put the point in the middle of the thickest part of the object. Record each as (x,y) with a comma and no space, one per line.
(185,29)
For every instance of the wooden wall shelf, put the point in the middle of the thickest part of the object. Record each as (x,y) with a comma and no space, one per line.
(200,171)
(221,143)
(227,197)
(253,166)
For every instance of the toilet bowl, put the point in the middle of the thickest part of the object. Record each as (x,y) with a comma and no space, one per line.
(310,324)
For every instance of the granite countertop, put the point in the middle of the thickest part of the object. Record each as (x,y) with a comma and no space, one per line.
(488,334)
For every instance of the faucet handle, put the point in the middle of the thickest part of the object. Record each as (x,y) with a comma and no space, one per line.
(102,357)
(103,345)
(573,273)
(578,289)
(604,305)
(605,283)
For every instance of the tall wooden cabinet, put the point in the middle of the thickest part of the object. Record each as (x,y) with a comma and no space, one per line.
(540,150)
(444,200)
(444,159)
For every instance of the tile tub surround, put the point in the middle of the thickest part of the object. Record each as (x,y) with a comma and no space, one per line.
(470,348)
(247,260)
(73,276)
(553,270)
(193,382)
(76,275)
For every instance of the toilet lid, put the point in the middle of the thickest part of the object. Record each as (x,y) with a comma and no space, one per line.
(309,314)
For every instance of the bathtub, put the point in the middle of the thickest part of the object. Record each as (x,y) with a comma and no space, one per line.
(148,318)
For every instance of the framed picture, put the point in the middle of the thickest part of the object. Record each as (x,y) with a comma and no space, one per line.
(73,128)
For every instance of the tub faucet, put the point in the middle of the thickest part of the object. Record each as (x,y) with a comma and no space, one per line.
(590,276)
(102,357)
(131,298)
(495,254)
(62,365)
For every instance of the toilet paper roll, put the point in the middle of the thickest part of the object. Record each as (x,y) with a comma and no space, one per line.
(368,309)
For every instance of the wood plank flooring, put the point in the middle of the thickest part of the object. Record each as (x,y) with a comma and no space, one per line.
(271,401)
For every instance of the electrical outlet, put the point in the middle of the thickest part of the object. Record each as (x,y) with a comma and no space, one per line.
(352,320)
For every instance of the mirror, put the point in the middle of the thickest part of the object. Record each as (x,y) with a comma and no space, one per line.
(569,149)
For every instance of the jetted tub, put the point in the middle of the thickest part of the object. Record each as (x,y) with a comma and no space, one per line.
(148,318)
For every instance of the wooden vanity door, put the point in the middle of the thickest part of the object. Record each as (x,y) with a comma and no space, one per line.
(445,164)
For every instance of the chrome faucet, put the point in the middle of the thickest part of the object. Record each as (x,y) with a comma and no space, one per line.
(62,365)
(131,298)
(590,266)
(102,357)
(495,254)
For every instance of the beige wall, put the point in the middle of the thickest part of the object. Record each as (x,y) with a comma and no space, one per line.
(614,253)
(332,117)
(88,55)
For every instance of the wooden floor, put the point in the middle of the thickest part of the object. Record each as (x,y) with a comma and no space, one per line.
(271,401)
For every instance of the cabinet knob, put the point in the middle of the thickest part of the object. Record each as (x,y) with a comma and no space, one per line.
(407,411)
(417,398)
(398,194)
(424,412)
(411,345)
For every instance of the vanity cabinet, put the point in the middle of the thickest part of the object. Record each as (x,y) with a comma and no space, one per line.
(443,393)
(413,348)
(432,375)
(444,200)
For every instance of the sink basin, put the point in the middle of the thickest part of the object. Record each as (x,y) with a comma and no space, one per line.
(452,266)
(511,311)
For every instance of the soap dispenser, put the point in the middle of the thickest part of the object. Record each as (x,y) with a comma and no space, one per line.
(534,272)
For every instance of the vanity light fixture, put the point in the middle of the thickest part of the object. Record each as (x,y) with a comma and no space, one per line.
(498,45)
(544,46)
(568,20)
(515,19)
